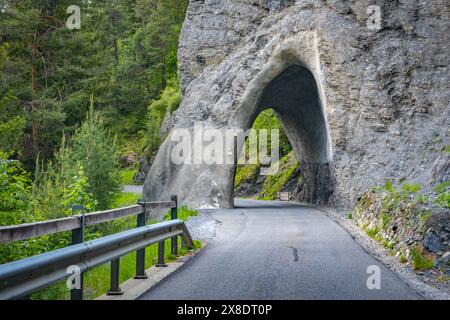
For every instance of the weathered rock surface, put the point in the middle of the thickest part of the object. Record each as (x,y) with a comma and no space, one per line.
(365,104)
(402,224)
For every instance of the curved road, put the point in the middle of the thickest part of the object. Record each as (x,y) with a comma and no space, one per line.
(276,250)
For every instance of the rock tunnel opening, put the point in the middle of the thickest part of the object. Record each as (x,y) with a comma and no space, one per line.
(294,97)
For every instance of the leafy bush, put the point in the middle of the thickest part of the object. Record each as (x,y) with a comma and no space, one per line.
(96,151)
(443,194)
(411,188)
(11,128)
(15,193)
(127,175)
(61,185)
(372,232)
(168,102)
(419,261)
(246,173)
(385,220)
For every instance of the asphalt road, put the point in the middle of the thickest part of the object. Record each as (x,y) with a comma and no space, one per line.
(274,250)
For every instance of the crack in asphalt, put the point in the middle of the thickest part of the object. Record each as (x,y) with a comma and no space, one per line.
(294,253)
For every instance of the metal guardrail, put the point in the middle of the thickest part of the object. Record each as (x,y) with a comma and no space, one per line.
(21,278)
(37,229)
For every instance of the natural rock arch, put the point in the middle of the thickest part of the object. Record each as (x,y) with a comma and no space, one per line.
(294,96)
(377,89)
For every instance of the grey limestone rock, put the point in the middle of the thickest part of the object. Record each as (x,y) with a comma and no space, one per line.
(365,105)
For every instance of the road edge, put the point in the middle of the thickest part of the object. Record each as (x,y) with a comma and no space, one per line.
(134,288)
(379,253)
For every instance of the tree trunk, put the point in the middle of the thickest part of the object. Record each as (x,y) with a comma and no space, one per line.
(163,72)
(34,126)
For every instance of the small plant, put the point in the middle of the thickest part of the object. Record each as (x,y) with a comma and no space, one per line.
(403,259)
(349,216)
(420,262)
(422,199)
(127,175)
(442,278)
(391,245)
(183,213)
(385,220)
(443,194)
(411,188)
(425,215)
(372,232)
(389,186)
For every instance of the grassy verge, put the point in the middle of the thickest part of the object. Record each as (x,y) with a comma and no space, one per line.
(96,281)
(125,199)
(127,175)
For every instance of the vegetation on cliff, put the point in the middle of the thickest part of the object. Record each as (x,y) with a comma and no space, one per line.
(248,180)
(410,224)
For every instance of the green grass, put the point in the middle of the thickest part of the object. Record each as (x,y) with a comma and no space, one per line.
(246,173)
(97,280)
(443,194)
(275,183)
(125,199)
(349,216)
(183,213)
(425,215)
(419,261)
(385,220)
(126,176)
(372,232)
(411,188)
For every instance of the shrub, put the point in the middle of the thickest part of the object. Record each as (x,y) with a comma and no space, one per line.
(247,173)
(274,183)
(96,151)
(385,220)
(443,194)
(419,261)
(15,193)
(61,185)
(372,232)
(389,186)
(411,188)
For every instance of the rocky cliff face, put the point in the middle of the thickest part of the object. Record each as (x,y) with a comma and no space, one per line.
(376,109)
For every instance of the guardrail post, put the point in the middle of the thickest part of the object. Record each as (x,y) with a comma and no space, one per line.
(173,216)
(114,289)
(235,164)
(78,237)
(161,262)
(140,254)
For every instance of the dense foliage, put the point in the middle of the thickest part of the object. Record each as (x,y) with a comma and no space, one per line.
(125,54)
